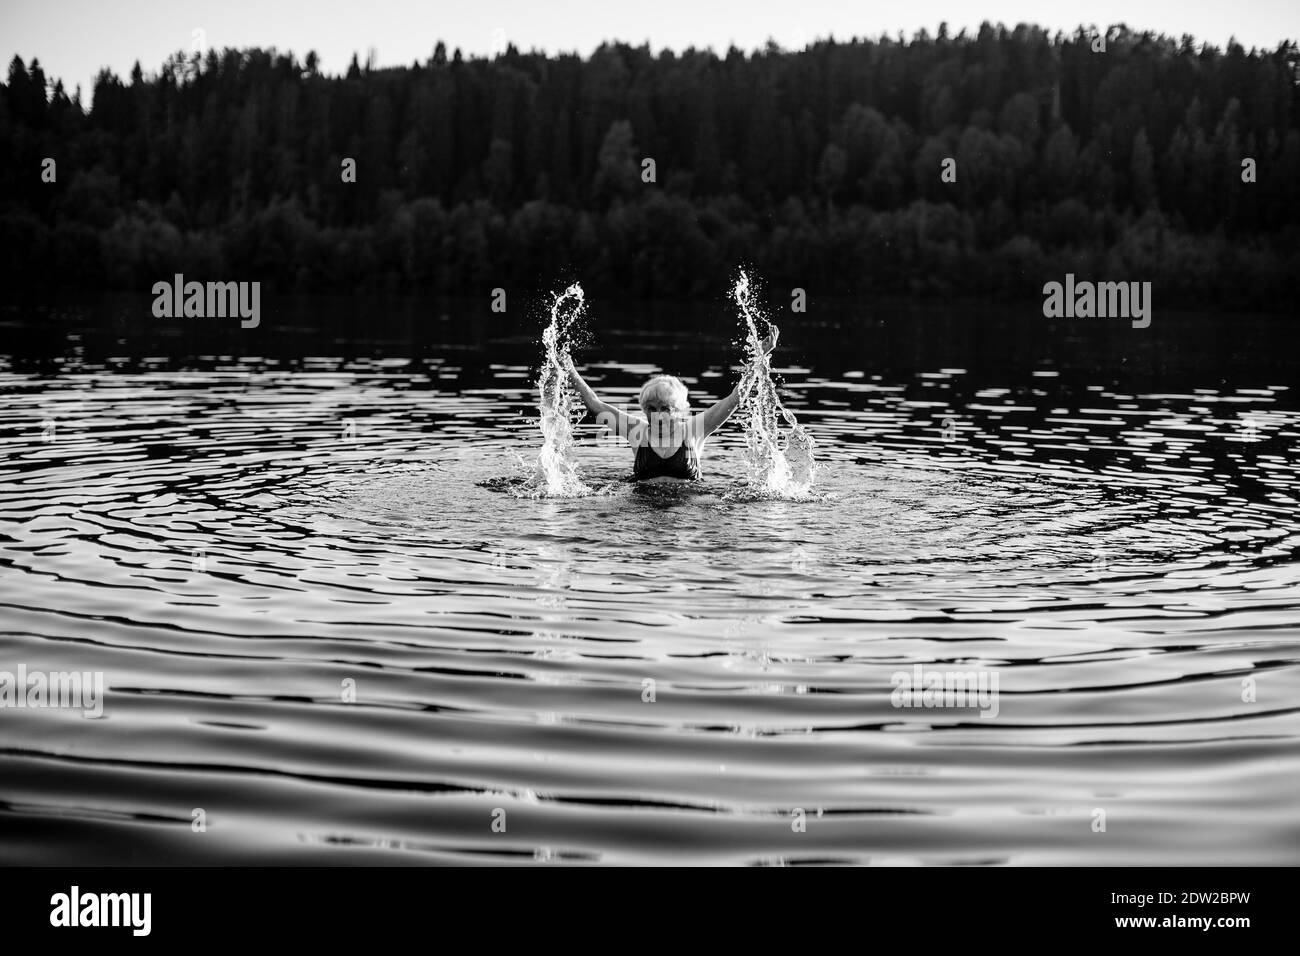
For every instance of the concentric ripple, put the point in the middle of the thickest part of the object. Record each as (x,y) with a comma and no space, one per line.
(323,624)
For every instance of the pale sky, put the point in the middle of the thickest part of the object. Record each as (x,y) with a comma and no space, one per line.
(73,39)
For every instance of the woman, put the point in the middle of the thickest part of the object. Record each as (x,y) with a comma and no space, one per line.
(669,440)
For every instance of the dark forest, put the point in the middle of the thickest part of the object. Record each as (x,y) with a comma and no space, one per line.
(820,168)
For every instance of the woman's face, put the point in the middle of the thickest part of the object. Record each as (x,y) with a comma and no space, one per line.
(660,406)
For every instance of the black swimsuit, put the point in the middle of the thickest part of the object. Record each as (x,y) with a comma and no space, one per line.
(683,463)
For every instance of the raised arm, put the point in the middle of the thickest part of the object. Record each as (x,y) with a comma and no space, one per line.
(616,420)
(713,417)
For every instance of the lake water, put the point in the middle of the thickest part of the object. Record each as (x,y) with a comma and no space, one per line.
(240,537)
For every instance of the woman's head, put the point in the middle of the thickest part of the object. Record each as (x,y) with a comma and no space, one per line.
(664,393)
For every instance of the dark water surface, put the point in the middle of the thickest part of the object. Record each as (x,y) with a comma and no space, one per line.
(1106,518)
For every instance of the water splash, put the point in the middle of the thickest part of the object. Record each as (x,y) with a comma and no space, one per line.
(780,463)
(556,473)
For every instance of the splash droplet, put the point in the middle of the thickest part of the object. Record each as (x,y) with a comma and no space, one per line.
(779,461)
(556,472)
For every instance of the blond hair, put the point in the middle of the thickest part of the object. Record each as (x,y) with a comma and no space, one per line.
(666,388)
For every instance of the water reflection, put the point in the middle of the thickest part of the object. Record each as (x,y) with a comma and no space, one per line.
(214,537)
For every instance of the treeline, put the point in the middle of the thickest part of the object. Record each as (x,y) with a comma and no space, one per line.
(820,168)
